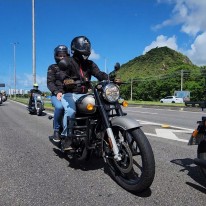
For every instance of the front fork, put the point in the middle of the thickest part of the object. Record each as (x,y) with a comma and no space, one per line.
(110,134)
(35,103)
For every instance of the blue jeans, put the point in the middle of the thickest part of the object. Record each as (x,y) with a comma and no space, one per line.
(58,112)
(68,101)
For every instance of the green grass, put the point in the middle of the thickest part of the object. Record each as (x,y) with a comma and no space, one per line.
(48,105)
(155,103)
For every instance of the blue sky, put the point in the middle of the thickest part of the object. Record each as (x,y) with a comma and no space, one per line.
(119,31)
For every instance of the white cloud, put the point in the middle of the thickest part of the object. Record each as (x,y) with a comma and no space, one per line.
(94,55)
(197,52)
(27,81)
(162,41)
(188,13)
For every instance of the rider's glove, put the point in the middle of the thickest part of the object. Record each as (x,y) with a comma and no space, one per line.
(117,80)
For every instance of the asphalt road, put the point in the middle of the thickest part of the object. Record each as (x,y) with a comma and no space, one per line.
(34,172)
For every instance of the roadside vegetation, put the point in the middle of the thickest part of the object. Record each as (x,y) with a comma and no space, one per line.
(48,105)
(159,73)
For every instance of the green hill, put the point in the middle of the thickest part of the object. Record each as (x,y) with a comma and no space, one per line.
(160,72)
(156,62)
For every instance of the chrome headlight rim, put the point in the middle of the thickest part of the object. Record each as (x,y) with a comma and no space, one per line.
(111,92)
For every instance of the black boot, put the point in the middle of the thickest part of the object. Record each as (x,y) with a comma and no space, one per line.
(66,144)
(56,137)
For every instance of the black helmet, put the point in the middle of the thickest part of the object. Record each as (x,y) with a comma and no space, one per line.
(81,47)
(60,52)
(117,66)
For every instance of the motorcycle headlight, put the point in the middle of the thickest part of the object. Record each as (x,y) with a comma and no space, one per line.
(111,92)
(39,97)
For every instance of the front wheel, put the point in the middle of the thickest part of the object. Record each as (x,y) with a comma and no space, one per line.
(201,154)
(136,170)
(1,101)
(39,109)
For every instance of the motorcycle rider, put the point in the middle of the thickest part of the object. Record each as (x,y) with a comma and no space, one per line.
(55,86)
(73,70)
(32,91)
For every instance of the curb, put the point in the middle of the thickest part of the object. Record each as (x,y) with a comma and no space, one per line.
(180,108)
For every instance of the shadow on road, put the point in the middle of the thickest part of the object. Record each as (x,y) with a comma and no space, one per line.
(194,172)
(93,163)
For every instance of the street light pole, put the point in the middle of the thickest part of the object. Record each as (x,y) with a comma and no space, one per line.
(14,48)
(33,43)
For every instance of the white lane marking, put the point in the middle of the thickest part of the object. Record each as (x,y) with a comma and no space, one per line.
(159,124)
(155,135)
(142,112)
(167,133)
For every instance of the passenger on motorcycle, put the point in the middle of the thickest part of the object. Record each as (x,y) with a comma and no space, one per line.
(32,91)
(54,84)
(73,70)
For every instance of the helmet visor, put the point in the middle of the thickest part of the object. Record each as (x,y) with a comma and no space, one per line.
(83,47)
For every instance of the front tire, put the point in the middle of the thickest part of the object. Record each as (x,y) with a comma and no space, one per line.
(201,154)
(138,152)
(1,101)
(39,109)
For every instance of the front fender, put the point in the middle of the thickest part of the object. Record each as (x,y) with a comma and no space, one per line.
(125,122)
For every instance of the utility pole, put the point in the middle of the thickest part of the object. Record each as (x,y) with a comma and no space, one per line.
(182,74)
(33,43)
(131,88)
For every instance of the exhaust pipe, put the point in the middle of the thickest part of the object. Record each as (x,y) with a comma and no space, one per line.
(200,162)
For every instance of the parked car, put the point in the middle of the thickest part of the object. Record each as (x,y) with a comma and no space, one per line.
(171,99)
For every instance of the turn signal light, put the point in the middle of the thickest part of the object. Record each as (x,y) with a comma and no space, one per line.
(90,107)
(125,104)
(195,132)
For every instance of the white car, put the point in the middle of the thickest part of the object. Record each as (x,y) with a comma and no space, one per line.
(171,99)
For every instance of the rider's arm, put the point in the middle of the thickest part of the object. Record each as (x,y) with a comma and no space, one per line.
(96,72)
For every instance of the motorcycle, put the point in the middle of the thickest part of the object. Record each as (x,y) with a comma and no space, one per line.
(4,97)
(37,106)
(198,137)
(1,98)
(100,127)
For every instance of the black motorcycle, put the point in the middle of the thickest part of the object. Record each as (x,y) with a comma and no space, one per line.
(37,106)
(101,127)
(4,96)
(198,137)
(1,98)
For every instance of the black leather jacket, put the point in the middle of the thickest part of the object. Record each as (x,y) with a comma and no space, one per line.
(72,69)
(54,82)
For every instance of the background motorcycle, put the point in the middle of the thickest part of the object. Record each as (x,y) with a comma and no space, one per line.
(1,98)
(37,106)
(4,97)
(102,128)
(198,137)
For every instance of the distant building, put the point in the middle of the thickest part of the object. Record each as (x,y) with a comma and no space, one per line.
(18,91)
